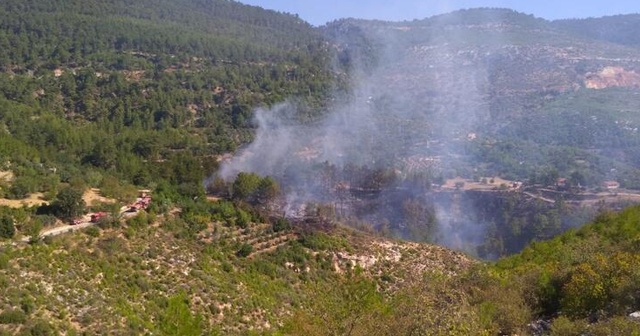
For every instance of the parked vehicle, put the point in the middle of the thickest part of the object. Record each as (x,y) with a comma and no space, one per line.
(97,216)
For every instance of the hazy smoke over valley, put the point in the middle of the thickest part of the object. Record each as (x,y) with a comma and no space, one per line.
(410,113)
(426,98)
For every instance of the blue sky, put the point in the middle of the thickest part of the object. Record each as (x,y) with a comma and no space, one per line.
(318,12)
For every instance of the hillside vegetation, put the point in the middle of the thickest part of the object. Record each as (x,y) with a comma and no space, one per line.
(125,98)
(107,89)
(152,275)
(526,88)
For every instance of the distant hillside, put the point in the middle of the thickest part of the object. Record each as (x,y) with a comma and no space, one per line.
(220,29)
(499,74)
(620,29)
(122,89)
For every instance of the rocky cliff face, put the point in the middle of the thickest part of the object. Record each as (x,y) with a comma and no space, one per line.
(612,76)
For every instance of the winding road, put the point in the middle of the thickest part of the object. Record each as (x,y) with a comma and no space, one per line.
(85,222)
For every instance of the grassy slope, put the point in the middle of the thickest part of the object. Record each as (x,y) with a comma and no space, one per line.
(587,280)
(153,279)
(142,278)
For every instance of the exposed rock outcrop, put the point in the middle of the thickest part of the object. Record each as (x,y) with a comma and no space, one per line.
(612,77)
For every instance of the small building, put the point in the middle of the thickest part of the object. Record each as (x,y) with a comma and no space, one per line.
(610,185)
(561,182)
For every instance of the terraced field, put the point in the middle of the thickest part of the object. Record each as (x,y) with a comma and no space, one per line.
(261,237)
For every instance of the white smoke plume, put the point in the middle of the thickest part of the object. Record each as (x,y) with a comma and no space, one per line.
(418,104)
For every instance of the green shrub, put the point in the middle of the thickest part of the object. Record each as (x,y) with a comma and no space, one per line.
(4,261)
(616,326)
(178,319)
(245,250)
(41,328)
(319,241)
(27,305)
(562,326)
(7,229)
(227,267)
(243,219)
(92,231)
(13,316)
(282,224)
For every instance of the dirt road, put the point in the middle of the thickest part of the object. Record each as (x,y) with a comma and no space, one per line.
(544,199)
(85,222)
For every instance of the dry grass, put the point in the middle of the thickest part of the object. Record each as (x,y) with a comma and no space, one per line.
(92,196)
(34,199)
(472,185)
(6,175)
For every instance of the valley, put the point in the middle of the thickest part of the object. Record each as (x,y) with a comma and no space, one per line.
(187,167)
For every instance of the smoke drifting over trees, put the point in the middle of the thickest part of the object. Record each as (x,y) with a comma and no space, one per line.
(460,94)
(386,143)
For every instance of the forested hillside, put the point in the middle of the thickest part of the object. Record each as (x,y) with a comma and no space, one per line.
(470,96)
(617,29)
(136,91)
(526,88)
(63,31)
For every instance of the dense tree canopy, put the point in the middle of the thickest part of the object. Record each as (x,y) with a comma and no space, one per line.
(7,229)
(144,92)
(68,204)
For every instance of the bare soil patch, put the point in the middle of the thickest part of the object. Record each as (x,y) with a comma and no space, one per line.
(92,196)
(33,199)
(6,175)
(213,198)
(491,183)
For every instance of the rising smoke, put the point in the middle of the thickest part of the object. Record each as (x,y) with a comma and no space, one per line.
(410,114)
